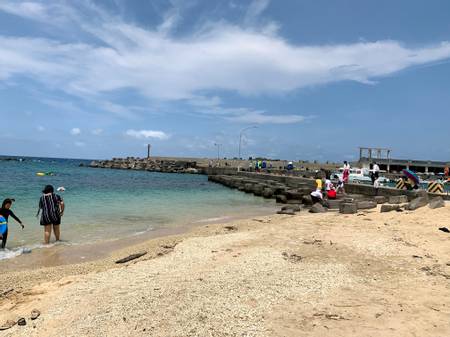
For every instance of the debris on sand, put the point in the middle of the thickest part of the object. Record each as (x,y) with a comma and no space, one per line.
(312,242)
(292,257)
(230,228)
(35,314)
(8,325)
(5,293)
(335,317)
(131,257)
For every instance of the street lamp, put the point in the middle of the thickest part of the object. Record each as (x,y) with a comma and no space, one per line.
(218,150)
(240,137)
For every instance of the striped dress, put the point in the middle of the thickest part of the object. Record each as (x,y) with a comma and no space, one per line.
(49,206)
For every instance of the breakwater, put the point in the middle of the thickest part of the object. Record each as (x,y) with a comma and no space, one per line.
(147,164)
(295,191)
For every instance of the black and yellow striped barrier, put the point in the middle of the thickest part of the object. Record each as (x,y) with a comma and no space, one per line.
(400,185)
(435,187)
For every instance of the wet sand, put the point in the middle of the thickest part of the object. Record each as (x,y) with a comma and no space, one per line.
(64,253)
(370,274)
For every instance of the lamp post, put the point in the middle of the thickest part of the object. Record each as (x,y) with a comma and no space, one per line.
(240,137)
(218,150)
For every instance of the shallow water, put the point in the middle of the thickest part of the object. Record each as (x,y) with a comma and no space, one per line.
(104,204)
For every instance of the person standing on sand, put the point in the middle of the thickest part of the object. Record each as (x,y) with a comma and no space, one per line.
(52,207)
(5,212)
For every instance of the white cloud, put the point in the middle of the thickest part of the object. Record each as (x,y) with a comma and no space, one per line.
(27,9)
(97,132)
(216,56)
(259,117)
(244,115)
(40,128)
(80,144)
(75,131)
(146,134)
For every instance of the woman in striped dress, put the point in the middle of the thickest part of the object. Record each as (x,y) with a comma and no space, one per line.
(51,207)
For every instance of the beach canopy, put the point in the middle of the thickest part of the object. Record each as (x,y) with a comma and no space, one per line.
(411,175)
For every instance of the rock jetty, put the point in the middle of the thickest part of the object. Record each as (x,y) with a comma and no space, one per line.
(152,165)
(296,192)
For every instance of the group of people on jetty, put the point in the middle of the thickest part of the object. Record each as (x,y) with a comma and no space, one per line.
(51,209)
(328,186)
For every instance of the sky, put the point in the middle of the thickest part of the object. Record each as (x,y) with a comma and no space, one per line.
(303,79)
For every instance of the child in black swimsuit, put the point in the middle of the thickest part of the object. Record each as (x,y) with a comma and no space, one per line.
(5,211)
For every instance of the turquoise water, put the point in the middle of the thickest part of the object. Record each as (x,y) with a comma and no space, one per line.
(108,204)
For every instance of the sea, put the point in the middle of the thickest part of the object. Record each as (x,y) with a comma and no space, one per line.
(107,204)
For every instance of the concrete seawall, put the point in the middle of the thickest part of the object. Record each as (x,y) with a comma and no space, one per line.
(292,181)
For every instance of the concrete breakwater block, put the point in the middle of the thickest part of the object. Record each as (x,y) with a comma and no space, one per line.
(295,208)
(293,194)
(258,190)
(416,194)
(304,191)
(347,208)
(334,203)
(417,203)
(248,188)
(389,208)
(437,202)
(366,204)
(279,190)
(281,199)
(267,193)
(398,199)
(380,199)
(307,200)
(317,208)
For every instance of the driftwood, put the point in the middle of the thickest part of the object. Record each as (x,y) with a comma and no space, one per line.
(6,292)
(131,257)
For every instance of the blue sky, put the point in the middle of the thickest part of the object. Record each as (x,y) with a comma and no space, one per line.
(97,79)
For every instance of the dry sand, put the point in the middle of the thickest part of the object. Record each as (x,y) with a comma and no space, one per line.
(369,274)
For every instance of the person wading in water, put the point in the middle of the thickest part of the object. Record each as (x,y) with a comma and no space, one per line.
(5,212)
(52,207)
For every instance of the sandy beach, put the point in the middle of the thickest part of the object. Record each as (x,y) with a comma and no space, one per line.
(369,274)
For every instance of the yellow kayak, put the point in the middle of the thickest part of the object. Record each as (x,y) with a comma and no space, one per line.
(42,174)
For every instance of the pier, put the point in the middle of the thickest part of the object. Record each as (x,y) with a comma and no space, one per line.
(382,156)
